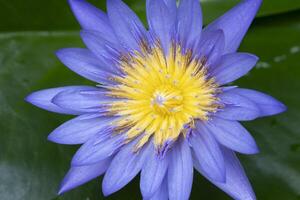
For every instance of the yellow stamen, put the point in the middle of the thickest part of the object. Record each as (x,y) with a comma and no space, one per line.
(160,95)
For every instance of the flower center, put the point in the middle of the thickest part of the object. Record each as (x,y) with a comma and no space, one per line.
(160,96)
(167,100)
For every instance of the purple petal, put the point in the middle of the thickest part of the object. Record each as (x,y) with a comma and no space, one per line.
(153,174)
(127,26)
(232,135)
(106,51)
(227,88)
(162,192)
(87,99)
(208,153)
(237,184)
(79,175)
(84,63)
(161,21)
(180,171)
(266,104)
(189,21)
(124,167)
(237,107)
(99,147)
(171,4)
(92,18)
(79,129)
(211,47)
(43,99)
(233,66)
(235,23)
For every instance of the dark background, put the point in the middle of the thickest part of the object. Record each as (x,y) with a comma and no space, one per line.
(31,168)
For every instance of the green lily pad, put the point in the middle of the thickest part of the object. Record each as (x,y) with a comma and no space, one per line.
(32,168)
(31,15)
(215,8)
(18,15)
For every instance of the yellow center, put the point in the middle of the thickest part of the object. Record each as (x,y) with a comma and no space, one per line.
(160,96)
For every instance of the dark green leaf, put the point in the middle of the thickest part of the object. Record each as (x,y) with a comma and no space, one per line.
(47,15)
(56,14)
(215,8)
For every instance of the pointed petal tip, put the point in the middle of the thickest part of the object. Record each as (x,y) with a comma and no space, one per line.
(233,135)
(281,108)
(64,187)
(76,161)
(106,190)
(234,66)
(63,55)
(237,184)
(256,2)
(29,98)
(60,53)
(255,150)
(61,191)
(235,23)
(254,57)
(267,104)
(284,108)
(41,100)
(251,149)
(77,4)
(34,98)
(53,137)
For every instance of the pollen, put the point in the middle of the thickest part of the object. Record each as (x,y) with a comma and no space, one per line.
(160,95)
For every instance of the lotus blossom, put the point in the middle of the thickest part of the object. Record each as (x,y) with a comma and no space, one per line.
(162,106)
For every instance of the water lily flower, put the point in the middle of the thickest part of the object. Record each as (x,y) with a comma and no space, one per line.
(161,107)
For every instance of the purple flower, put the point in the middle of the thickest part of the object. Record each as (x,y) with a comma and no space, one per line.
(161,107)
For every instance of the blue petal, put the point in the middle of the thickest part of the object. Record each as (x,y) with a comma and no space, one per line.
(211,47)
(153,174)
(127,26)
(208,153)
(83,174)
(232,135)
(161,21)
(237,107)
(266,104)
(92,18)
(84,100)
(171,4)
(99,147)
(107,52)
(180,171)
(43,99)
(227,88)
(84,63)
(124,167)
(237,184)
(189,21)
(233,66)
(235,23)
(79,129)
(162,192)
